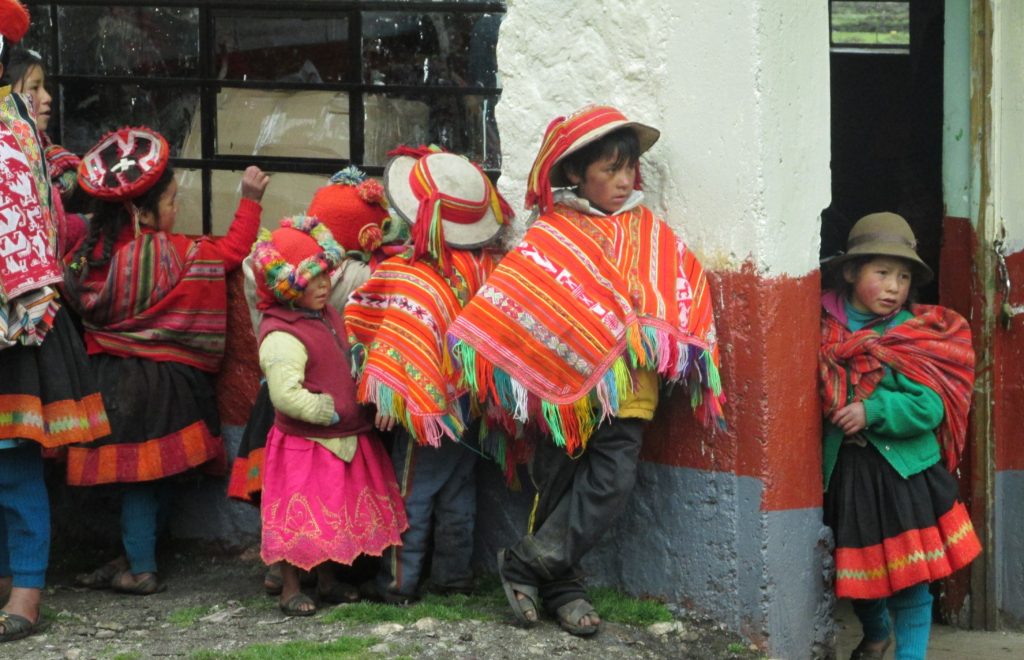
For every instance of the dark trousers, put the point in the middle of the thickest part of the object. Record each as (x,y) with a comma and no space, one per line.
(438,486)
(578,501)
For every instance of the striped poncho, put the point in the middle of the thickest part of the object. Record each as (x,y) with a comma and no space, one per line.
(397,321)
(553,334)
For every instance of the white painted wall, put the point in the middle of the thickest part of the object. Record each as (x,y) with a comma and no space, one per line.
(739,89)
(1007,102)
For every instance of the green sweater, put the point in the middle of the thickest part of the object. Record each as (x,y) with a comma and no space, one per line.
(901,417)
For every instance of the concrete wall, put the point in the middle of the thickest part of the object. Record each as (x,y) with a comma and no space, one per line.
(730,523)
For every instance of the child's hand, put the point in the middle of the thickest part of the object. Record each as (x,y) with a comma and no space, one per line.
(851,418)
(384,422)
(254,183)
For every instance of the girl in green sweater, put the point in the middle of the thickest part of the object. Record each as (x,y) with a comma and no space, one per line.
(896,385)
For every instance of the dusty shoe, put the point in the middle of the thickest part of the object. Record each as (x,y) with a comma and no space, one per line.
(863,653)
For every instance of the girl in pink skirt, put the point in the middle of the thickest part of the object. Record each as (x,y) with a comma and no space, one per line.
(329,491)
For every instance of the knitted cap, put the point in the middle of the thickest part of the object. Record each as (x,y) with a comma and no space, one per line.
(566,135)
(14,20)
(124,164)
(883,235)
(290,257)
(353,207)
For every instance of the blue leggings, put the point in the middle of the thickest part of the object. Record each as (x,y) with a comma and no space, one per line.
(911,612)
(24,517)
(144,511)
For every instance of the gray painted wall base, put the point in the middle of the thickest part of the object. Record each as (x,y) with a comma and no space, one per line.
(1009,540)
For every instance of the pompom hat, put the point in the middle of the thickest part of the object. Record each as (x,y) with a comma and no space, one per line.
(124,164)
(14,21)
(567,135)
(354,208)
(291,256)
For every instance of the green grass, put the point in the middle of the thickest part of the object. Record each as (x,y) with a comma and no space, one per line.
(128,655)
(187,616)
(339,649)
(615,606)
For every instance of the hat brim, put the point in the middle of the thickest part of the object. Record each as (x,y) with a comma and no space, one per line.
(646,136)
(923,274)
(403,201)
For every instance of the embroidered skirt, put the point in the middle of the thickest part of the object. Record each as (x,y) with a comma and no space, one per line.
(163,420)
(47,392)
(246,481)
(892,533)
(317,508)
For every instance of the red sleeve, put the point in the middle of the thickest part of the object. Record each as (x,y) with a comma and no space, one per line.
(237,243)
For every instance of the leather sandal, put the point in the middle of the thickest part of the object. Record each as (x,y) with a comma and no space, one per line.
(147,586)
(102,576)
(15,626)
(294,606)
(570,615)
(862,652)
(521,607)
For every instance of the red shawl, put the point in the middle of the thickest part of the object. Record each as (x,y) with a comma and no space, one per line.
(933,349)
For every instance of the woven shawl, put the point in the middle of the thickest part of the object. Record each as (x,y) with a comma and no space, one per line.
(933,349)
(28,231)
(553,333)
(154,304)
(397,320)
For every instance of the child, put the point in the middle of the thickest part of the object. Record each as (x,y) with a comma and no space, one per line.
(570,333)
(896,387)
(399,319)
(47,396)
(153,304)
(353,208)
(329,493)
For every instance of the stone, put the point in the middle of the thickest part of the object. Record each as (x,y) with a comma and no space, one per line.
(72,654)
(382,648)
(466,637)
(426,624)
(105,634)
(387,629)
(110,625)
(665,627)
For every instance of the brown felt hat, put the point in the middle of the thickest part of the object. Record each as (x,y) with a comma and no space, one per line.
(886,235)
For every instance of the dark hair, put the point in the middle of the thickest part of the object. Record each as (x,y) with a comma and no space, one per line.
(21,60)
(836,279)
(623,145)
(109,218)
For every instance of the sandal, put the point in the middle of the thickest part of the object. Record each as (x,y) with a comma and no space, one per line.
(862,652)
(339,592)
(272,581)
(570,615)
(521,607)
(102,576)
(294,605)
(147,586)
(14,626)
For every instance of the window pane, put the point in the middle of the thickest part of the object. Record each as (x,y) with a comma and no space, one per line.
(288,194)
(871,23)
(294,49)
(89,110)
(38,37)
(402,48)
(129,41)
(282,123)
(189,219)
(463,124)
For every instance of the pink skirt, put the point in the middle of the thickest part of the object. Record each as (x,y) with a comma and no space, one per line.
(317,508)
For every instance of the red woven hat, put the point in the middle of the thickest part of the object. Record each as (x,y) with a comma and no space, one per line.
(290,257)
(566,135)
(353,207)
(14,20)
(124,164)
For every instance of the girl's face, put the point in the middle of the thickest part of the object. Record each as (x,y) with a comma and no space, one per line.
(317,294)
(605,186)
(166,210)
(33,84)
(880,286)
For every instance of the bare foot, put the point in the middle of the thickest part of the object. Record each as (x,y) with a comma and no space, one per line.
(531,613)
(290,588)
(24,602)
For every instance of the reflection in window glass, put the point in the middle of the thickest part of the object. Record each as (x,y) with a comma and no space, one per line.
(310,50)
(129,41)
(402,48)
(189,219)
(871,23)
(89,110)
(264,122)
(464,124)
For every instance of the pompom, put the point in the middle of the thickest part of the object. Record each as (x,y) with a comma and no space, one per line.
(14,20)
(370,191)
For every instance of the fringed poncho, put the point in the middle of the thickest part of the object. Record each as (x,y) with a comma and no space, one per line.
(553,334)
(398,320)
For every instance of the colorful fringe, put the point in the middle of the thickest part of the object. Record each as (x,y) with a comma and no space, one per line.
(396,323)
(553,334)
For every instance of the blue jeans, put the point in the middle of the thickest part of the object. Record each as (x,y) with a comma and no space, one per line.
(24,517)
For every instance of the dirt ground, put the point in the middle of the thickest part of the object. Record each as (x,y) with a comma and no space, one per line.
(214,607)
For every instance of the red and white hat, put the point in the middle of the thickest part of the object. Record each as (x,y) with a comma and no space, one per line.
(447,199)
(566,135)
(124,164)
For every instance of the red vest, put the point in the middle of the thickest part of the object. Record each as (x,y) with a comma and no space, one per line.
(327,369)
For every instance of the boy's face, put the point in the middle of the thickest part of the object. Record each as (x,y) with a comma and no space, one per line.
(880,286)
(605,186)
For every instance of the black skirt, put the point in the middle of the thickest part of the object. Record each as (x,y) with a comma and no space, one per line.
(892,533)
(163,419)
(246,481)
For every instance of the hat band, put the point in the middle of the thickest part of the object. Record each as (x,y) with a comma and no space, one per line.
(881,237)
(452,209)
